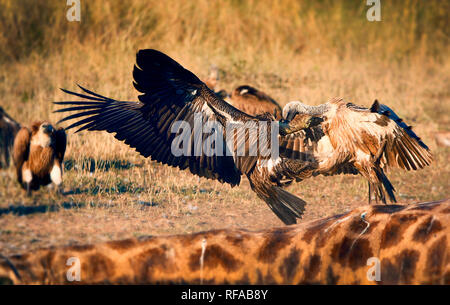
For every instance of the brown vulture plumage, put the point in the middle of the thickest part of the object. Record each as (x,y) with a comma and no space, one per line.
(253,101)
(171,94)
(354,139)
(38,155)
(8,130)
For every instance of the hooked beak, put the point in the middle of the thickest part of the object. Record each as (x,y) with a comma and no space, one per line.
(287,127)
(48,129)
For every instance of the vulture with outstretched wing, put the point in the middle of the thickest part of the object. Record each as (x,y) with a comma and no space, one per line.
(8,130)
(171,96)
(354,139)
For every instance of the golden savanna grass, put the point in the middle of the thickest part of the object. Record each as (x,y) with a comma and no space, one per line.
(292,50)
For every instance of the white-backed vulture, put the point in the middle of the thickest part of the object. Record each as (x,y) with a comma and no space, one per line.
(38,155)
(172,94)
(8,130)
(253,101)
(354,139)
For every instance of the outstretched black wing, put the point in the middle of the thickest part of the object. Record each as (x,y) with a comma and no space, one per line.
(170,94)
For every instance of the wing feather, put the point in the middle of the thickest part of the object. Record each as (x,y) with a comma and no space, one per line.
(170,93)
(407,152)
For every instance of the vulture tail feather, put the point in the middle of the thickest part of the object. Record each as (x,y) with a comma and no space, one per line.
(285,205)
(377,187)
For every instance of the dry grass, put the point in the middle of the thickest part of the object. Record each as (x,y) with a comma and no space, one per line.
(290,49)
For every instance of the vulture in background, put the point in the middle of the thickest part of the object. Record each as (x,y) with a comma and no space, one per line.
(171,94)
(354,139)
(8,130)
(245,98)
(252,101)
(38,155)
(211,82)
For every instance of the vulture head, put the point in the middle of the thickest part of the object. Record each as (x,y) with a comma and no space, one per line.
(295,107)
(42,133)
(298,122)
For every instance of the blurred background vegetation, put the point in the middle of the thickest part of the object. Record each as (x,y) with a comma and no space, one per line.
(228,28)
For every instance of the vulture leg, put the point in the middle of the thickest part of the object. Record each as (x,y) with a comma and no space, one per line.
(28,186)
(56,177)
(378,182)
(27,178)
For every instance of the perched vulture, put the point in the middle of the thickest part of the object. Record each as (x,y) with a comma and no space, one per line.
(172,94)
(38,155)
(8,130)
(254,102)
(354,139)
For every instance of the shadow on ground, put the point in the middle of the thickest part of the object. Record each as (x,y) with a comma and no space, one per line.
(91,165)
(21,210)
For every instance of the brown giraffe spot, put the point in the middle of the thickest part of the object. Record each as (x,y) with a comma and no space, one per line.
(321,239)
(446,211)
(289,265)
(358,226)
(244,280)
(312,268)
(407,261)
(122,245)
(80,248)
(273,243)
(352,252)
(264,279)
(313,231)
(46,261)
(387,209)
(402,270)
(268,279)
(214,256)
(435,258)
(332,279)
(393,232)
(429,206)
(146,262)
(6,281)
(259,280)
(235,239)
(447,278)
(282,230)
(389,274)
(97,266)
(20,256)
(183,281)
(425,230)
